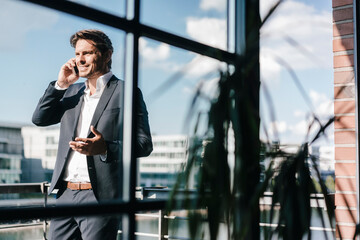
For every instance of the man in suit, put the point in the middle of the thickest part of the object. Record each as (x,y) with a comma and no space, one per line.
(88,168)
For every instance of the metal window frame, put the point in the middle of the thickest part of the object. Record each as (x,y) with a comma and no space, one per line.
(242,12)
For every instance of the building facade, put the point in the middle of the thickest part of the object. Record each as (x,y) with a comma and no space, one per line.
(159,169)
(40,149)
(11,153)
(165,162)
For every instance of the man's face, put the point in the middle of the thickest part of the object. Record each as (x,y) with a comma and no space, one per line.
(89,60)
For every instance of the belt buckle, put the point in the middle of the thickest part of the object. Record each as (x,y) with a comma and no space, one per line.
(82,188)
(78,186)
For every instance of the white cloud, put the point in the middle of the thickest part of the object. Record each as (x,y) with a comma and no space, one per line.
(157,56)
(324,107)
(310,28)
(211,31)
(265,6)
(299,113)
(269,68)
(317,97)
(209,87)
(278,127)
(206,87)
(201,65)
(218,5)
(15,27)
(295,132)
(159,53)
(275,130)
(301,128)
(299,131)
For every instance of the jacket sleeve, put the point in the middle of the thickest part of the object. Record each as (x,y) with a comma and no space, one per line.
(49,109)
(143,145)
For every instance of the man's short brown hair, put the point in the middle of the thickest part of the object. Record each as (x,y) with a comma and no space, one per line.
(100,40)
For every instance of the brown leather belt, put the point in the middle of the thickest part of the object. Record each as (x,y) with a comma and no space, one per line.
(78,186)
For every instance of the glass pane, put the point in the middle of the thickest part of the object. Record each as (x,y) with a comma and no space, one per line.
(33,51)
(203,21)
(170,79)
(297,72)
(35,48)
(297,88)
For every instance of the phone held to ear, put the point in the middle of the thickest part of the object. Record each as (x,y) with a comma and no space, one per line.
(76,70)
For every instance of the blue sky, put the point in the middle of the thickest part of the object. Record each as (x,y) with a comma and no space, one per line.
(309,23)
(35,43)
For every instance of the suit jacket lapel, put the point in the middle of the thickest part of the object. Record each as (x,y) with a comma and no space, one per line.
(104,99)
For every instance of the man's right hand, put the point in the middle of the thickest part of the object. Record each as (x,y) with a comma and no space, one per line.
(67,75)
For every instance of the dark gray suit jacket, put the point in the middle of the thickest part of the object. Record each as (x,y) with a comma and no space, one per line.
(64,106)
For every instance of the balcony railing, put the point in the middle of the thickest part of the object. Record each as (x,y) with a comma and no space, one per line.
(142,193)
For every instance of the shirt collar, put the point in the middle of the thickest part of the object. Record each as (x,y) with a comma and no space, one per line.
(100,84)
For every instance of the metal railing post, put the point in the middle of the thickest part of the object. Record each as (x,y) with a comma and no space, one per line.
(44,190)
(163,225)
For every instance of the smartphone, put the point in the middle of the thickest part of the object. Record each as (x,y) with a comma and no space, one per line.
(76,70)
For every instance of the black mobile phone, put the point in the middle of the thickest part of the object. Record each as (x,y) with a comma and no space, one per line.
(76,70)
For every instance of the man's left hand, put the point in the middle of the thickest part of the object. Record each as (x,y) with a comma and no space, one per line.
(89,146)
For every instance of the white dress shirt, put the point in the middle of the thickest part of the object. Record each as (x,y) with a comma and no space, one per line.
(76,169)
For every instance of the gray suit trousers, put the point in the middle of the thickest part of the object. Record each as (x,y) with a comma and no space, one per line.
(82,227)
